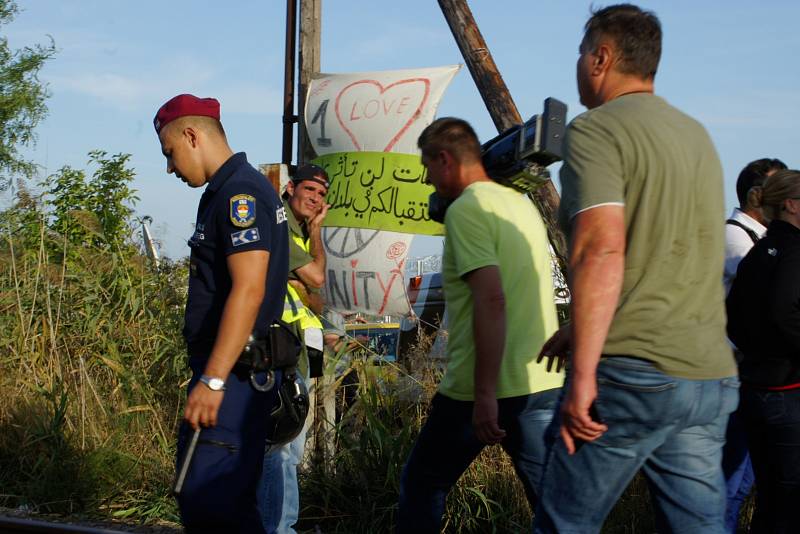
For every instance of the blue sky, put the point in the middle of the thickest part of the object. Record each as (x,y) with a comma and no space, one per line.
(731,64)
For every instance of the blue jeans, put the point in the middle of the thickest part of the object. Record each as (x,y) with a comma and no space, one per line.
(447,445)
(772,419)
(278,492)
(738,470)
(671,428)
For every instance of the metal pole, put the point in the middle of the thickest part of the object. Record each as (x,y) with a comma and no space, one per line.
(147,237)
(289,118)
(501,106)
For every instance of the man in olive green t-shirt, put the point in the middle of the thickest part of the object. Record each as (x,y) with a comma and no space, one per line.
(304,201)
(652,379)
(499,293)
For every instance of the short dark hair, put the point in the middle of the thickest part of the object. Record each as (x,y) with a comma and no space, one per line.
(636,34)
(209,124)
(453,135)
(753,175)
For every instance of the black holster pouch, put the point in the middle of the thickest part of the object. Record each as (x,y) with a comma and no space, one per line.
(256,355)
(279,349)
(285,345)
(315,362)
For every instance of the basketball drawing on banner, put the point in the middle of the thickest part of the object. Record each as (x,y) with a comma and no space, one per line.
(345,242)
(365,270)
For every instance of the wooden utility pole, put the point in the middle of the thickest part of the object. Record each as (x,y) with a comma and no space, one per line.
(310,17)
(321,440)
(498,101)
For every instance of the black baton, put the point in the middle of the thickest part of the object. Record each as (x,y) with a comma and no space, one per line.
(187,460)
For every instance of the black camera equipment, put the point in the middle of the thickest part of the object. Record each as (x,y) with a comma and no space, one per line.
(518,158)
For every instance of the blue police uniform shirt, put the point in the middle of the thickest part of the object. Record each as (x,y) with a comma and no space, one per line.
(239,211)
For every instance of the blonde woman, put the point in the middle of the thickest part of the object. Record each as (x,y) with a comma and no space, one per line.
(764,322)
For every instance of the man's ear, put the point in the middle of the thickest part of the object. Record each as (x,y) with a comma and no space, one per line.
(753,198)
(451,167)
(446,158)
(290,188)
(191,135)
(602,58)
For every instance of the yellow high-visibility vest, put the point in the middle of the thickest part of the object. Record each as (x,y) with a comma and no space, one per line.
(293,307)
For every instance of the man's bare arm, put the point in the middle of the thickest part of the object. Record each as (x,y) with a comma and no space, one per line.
(313,273)
(597,262)
(313,300)
(489,331)
(248,272)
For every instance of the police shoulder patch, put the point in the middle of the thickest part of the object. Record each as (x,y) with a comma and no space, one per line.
(242,237)
(243,210)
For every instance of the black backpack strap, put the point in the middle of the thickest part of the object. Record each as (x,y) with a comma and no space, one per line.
(749,231)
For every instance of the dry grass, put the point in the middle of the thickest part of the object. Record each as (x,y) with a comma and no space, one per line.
(91,367)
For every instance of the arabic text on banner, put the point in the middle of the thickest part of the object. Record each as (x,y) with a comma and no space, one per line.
(378,190)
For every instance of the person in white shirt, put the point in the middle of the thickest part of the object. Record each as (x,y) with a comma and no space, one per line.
(745,226)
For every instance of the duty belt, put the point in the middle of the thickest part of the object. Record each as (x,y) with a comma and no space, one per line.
(279,349)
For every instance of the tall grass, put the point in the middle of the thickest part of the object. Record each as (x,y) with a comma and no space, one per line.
(91,364)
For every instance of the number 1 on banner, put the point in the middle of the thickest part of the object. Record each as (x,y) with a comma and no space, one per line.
(322,110)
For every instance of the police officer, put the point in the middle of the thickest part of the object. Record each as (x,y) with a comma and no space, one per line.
(304,202)
(237,283)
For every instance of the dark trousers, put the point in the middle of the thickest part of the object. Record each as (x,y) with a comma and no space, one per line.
(738,470)
(219,494)
(447,445)
(772,419)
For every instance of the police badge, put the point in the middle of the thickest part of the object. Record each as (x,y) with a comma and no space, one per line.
(243,210)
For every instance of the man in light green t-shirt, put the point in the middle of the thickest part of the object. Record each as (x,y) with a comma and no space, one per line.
(652,379)
(499,295)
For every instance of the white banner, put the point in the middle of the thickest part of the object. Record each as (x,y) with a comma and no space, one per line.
(382,111)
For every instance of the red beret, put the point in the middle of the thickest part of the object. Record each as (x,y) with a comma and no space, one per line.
(183,105)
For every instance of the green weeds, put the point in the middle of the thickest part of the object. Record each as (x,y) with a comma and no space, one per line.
(91,359)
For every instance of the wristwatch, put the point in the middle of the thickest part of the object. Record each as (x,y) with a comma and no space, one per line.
(213,383)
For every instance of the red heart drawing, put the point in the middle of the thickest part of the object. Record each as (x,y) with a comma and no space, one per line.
(382,91)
